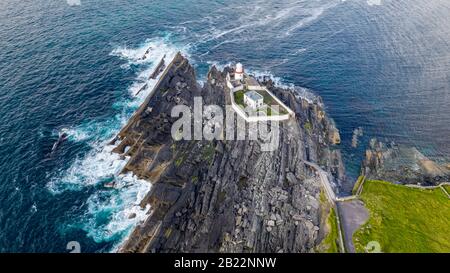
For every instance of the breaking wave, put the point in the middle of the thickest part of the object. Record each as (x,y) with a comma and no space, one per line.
(301,92)
(113,208)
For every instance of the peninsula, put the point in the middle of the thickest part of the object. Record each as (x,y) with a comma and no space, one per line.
(229,195)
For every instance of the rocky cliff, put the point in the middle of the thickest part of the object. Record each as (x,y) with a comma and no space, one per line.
(227,195)
(401,164)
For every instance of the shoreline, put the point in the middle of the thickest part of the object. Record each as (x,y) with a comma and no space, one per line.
(158,73)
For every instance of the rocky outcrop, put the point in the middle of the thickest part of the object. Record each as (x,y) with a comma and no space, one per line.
(401,164)
(227,195)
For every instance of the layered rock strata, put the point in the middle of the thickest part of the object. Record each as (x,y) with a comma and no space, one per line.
(227,195)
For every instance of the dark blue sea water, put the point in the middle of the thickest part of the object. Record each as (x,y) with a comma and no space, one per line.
(73,66)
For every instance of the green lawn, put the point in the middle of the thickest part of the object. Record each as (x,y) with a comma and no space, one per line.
(271,111)
(239,98)
(404,219)
(268,100)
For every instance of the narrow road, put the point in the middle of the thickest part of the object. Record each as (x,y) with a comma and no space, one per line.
(324,180)
(331,196)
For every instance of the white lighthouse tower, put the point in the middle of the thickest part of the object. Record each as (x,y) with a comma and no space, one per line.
(239,72)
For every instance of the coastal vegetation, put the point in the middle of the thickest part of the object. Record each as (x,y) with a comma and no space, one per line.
(329,243)
(447,188)
(208,152)
(269,101)
(404,219)
(331,240)
(239,98)
(308,127)
(357,184)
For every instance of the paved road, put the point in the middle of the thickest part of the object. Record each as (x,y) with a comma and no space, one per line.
(353,214)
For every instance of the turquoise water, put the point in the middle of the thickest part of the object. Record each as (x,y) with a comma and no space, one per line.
(75,68)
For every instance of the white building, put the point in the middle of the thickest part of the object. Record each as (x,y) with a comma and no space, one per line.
(239,72)
(253,99)
(235,81)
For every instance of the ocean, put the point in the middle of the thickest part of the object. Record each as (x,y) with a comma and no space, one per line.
(73,66)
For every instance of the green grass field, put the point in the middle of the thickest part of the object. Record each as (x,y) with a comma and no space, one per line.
(404,219)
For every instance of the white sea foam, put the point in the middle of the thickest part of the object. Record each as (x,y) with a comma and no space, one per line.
(301,92)
(93,132)
(33,208)
(299,51)
(312,15)
(150,52)
(116,211)
(219,65)
(374,2)
(109,210)
(74,2)
(287,15)
(97,166)
(76,134)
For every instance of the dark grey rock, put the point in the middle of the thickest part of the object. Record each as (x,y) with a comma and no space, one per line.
(226,196)
(401,164)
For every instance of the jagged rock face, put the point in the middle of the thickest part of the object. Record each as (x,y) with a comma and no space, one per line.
(400,164)
(226,195)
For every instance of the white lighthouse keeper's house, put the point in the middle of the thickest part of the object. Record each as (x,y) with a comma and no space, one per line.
(253,99)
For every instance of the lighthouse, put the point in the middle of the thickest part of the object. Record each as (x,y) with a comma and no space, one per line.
(239,72)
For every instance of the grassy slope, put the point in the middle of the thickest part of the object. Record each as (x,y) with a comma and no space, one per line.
(329,244)
(405,219)
(331,240)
